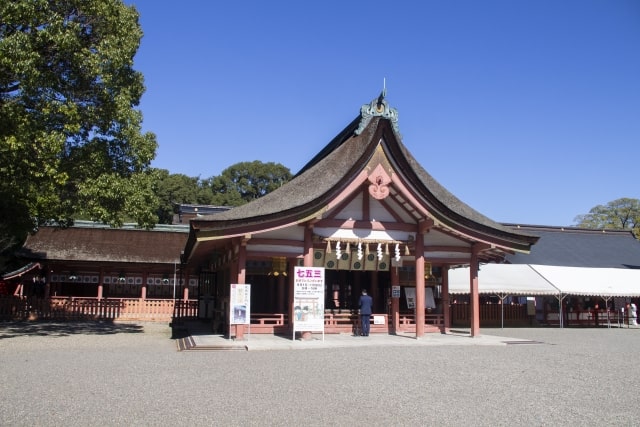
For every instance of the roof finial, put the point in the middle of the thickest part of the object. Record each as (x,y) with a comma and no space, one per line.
(378,107)
(383,94)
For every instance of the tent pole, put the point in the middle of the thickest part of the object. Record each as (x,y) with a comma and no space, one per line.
(560,319)
(606,308)
(502,312)
(502,298)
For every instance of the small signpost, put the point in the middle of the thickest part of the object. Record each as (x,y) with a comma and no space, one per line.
(240,305)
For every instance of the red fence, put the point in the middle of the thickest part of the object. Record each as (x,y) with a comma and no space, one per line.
(73,308)
(491,315)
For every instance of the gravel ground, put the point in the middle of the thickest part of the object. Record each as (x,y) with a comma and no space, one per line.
(89,374)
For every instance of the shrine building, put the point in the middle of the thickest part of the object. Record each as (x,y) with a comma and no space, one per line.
(365,210)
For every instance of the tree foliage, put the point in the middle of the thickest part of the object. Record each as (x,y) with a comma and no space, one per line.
(174,189)
(246,181)
(70,134)
(619,214)
(238,184)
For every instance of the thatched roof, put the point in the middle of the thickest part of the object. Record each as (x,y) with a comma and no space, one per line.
(332,169)
(105,245)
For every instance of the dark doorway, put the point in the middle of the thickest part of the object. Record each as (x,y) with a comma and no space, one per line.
(343,289)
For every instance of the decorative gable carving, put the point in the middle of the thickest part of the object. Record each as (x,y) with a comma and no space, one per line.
(380,179)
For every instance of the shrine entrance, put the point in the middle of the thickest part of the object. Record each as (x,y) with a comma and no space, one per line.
(344,287)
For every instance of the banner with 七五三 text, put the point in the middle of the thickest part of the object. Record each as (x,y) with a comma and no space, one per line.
(308,299)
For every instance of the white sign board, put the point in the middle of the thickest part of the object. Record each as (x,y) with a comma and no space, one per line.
(395,291)
(308,299)
(240,304)
(378,320)
(410,294)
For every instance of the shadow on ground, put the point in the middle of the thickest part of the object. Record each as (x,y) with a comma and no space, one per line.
(63,329)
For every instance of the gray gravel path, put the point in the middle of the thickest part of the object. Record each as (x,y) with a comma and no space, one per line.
(132,375)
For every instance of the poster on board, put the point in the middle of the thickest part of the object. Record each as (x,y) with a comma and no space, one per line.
(410,294)
(308,299)
(240,304)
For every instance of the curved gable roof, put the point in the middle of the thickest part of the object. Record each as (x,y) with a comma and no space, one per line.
(333,169)
(320,179)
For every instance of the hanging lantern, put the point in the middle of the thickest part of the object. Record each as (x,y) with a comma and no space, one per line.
(428,274)
(328,247)
(427,270)
(406,250)
(278,266)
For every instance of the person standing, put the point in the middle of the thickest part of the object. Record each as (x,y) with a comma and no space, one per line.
(366,307)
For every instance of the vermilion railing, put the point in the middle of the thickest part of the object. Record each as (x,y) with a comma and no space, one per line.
(75,308)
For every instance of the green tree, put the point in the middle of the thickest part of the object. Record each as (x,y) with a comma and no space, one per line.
(246,181)
(171,190)
(620,214)
(70,134)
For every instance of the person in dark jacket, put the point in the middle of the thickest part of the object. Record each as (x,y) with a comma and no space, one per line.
(366,307)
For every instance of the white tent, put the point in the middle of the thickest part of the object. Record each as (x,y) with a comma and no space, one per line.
(502,279)
(602,282)
(524,279)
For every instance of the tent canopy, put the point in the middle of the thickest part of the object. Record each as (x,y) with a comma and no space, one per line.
(605,282)
(525,279)
(496,279)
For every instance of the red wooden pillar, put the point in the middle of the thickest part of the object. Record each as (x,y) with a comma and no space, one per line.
(395,302)
(143,290)
(475,297)
(100,285)
(308,246)
(185,284)
(446,312)
(290,296)
(420,284)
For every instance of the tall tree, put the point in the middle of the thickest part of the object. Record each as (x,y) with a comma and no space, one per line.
(173,189)
(620,214)
(246,181)
(70,134)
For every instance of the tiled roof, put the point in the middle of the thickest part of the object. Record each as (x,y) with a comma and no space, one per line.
(579,247)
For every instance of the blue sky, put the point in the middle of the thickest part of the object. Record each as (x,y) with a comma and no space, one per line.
(528,111)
